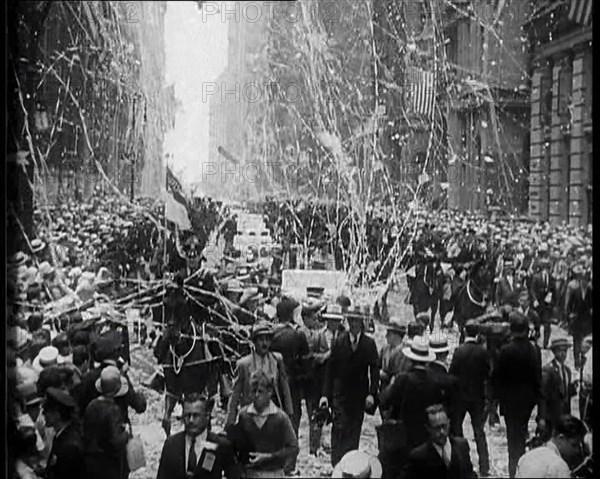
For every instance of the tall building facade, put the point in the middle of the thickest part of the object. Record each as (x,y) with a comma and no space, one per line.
(237,90)
(487,104)
(561,112)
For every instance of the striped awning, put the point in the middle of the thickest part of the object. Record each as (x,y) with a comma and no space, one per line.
(580,11)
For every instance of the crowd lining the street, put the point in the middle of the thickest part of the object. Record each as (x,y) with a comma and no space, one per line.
(70,391)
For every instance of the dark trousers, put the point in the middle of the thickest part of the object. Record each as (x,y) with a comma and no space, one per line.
(296,394)
(345,430)
(315,430)
(545,314)
(476,410)
(516,434)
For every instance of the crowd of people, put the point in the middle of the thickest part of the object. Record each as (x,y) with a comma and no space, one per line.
(71,391)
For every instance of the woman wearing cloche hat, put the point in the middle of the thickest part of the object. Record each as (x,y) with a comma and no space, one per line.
(104,434)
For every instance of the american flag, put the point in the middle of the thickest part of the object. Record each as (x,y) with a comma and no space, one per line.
(580,12)
(420,90)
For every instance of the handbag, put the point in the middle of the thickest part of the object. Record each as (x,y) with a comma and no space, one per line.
(136,457)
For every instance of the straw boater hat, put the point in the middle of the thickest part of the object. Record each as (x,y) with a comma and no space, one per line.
(37,245)
(419,350)
(438,343)
(262,328)
(396,326)
(359,465)
(47,356)
(560,342)
(333,312)
(111,383)
(17,259)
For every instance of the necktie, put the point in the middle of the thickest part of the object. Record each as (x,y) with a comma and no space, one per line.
(565,382)
(445,457)
(192,459)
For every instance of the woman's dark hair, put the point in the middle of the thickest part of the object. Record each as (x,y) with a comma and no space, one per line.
(54,376)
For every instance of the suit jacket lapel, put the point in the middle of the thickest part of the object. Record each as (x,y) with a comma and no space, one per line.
(435,456)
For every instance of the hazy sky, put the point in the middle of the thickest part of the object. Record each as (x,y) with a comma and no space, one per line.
(196,52)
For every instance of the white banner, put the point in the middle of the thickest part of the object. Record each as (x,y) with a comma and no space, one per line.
(176,212)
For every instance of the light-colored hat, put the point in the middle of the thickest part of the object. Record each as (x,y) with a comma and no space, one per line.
(46,357)
(262,328)
(111,383)
(438,343)
(333,312)
(37,245)
(359,465)
(560,342)
(396,325)
(419,350)
(18,259)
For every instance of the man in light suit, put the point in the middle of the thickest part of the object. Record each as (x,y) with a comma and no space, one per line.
(196,453)
(261,358)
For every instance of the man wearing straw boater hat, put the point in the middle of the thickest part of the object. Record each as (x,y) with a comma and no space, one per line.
(557,382)
(351,385)
(438,372)
(408,396)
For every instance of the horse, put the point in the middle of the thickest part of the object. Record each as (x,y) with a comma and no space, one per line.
(189,358)
(472,298)
(197,349)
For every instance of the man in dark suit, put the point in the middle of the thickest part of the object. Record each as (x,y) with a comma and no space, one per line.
(406,399)
(517,383)
(543,296)
(66,456)
(508,286)
(441,456)
(351,385)
(578,309)
(557,383)
(471,365)
(196,453)
(531,315)
(293,346)
(438,372)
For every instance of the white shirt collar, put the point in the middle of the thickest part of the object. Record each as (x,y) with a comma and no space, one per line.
(355,339)
(199,438)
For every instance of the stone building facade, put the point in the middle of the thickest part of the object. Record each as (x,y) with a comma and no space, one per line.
(561,113)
